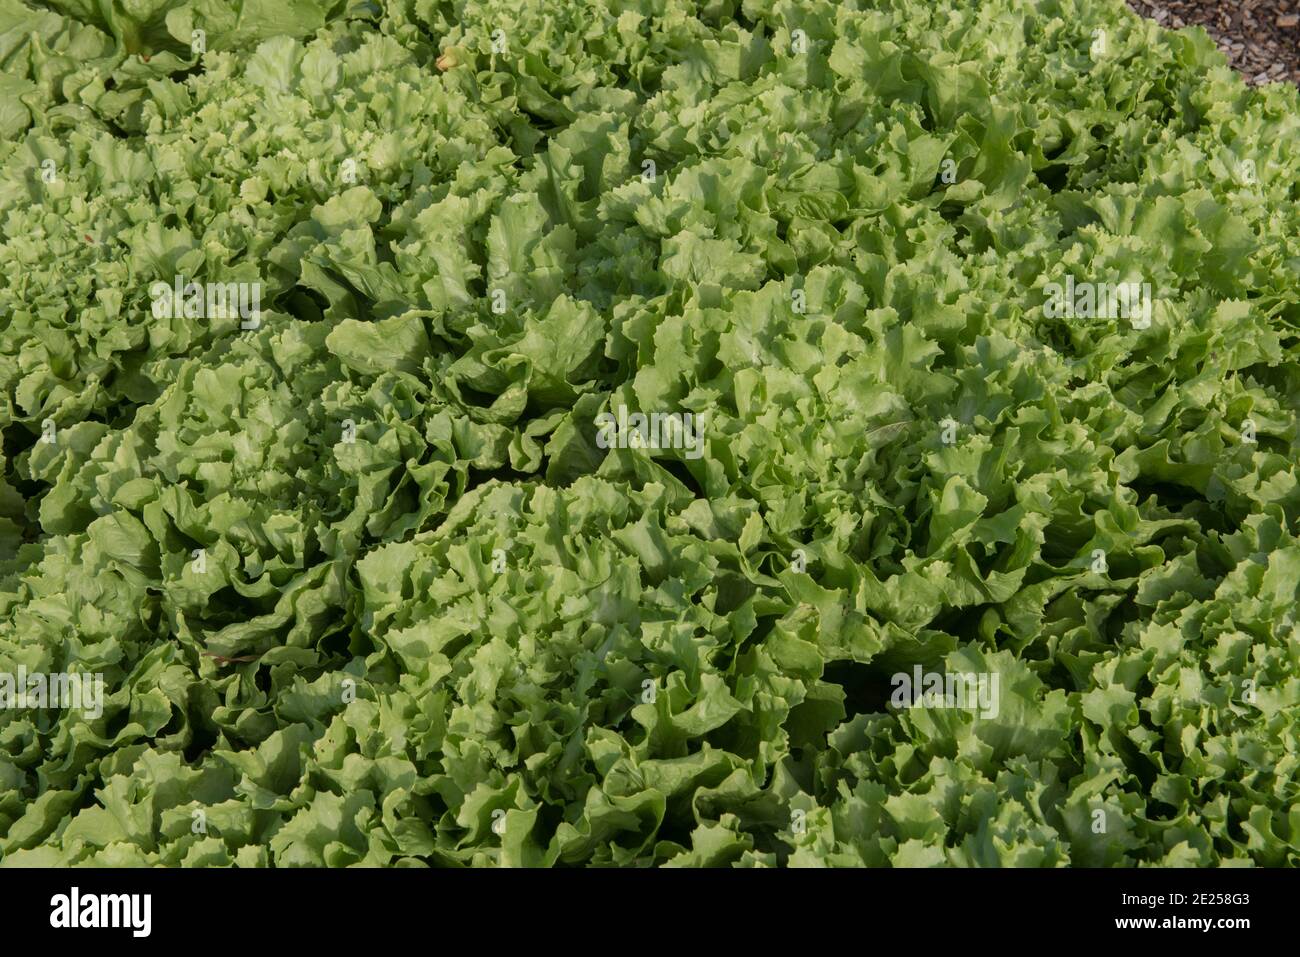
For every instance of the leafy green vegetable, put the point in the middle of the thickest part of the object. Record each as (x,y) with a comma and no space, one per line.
(640,394)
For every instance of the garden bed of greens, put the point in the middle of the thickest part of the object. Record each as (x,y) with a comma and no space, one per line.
(644,432)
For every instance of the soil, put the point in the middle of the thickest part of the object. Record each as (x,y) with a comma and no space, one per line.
(1261,38)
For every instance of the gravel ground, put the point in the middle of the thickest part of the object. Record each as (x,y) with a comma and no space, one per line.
(1260,37)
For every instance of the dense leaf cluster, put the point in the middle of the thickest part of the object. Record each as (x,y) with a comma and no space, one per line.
(363,585)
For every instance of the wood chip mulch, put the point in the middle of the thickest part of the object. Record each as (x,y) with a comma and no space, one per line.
(1261,38)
